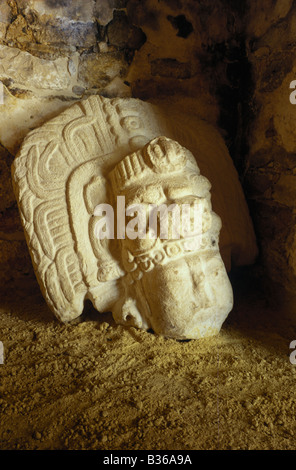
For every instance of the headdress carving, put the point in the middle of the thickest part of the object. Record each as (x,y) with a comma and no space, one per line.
(100,148)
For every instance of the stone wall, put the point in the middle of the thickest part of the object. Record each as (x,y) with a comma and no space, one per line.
(54,52)
(229,62)
(270,166)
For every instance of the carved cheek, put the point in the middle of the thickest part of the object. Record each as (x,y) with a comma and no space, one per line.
(210,280)
(217,273)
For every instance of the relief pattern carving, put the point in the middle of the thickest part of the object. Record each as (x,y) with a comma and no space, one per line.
(100,149)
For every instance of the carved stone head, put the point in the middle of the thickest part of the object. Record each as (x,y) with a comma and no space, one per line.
(117,213)
(174,278)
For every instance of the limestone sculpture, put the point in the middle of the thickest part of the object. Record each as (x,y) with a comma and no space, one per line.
(102,151)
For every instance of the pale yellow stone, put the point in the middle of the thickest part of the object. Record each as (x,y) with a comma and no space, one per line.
(101,149)
(32,72)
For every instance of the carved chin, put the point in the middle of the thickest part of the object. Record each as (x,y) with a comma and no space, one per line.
(193,299)
(186,298)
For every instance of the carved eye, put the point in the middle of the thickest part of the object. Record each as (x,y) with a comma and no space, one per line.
(157,151)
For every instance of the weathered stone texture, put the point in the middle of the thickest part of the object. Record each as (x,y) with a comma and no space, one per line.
(49,22)
(234,60)
(31,72)
(55,52)
(271,165)
(5,18)
(97,70)
(123,34)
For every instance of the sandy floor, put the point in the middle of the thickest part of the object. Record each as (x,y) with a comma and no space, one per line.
(95,385)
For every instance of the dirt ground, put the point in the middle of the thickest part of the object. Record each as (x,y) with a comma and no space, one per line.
(96,385)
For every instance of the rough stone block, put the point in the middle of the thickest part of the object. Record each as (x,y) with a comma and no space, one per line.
(32,72)
(97,70)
